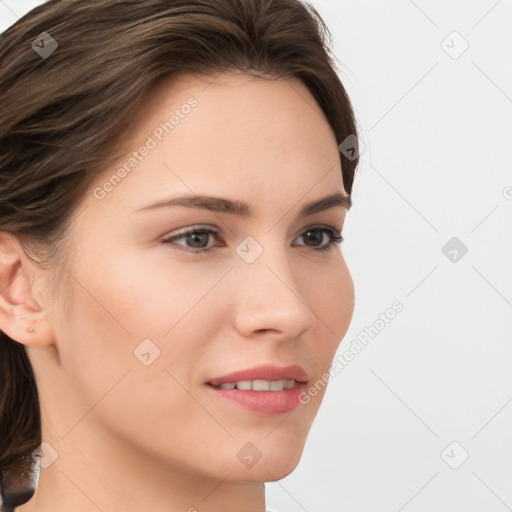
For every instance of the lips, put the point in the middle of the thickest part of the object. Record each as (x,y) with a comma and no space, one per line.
(263,372)
(266,390)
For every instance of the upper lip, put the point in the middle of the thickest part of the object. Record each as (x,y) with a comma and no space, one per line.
(263,372)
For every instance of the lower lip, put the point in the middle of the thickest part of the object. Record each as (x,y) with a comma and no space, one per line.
(267,403)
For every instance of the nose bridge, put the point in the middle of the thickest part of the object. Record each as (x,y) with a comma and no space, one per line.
(265,264)
(269,296)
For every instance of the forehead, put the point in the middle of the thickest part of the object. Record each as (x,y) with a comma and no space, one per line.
(210,134)
(239,105)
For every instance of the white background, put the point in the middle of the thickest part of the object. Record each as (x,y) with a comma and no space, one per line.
(437,165)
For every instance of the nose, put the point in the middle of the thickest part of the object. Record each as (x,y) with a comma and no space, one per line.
(268,300)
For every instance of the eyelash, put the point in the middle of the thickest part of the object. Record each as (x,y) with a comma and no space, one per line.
(335,237)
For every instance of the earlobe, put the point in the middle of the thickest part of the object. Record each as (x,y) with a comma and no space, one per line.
(21,316)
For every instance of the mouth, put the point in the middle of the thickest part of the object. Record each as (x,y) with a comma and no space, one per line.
(277,377)
(265,390)
(258,385)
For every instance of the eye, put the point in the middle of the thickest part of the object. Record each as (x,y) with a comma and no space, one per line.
(318,238)
(197,238)
(317,235)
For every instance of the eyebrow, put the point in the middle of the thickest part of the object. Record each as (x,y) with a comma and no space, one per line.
(222,205)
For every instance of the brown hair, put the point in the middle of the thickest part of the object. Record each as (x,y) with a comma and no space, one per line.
(62,111)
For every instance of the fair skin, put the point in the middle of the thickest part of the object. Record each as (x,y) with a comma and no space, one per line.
(134,437)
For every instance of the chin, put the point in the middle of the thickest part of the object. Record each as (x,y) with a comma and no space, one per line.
(281,471)
(265,473)
(274,465)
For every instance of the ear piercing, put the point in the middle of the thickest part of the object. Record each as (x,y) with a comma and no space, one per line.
(30,329)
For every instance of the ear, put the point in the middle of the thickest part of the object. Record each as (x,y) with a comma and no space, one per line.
(22,317)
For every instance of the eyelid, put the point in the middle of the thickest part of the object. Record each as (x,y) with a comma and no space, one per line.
(188,229)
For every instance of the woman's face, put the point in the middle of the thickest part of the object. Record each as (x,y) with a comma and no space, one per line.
(150,322)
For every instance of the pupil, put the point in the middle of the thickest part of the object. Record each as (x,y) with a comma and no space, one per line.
(317,236)
(196,237)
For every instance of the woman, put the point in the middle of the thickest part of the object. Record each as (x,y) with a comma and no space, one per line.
(175,175)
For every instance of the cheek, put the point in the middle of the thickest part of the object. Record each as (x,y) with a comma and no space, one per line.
(111,312)
(344,297)
(140,297)
(114,308)
(331,297)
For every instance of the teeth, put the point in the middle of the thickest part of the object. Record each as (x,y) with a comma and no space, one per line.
(289,384)
(244,384)
(259,385)
(228,385)
(276,385)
